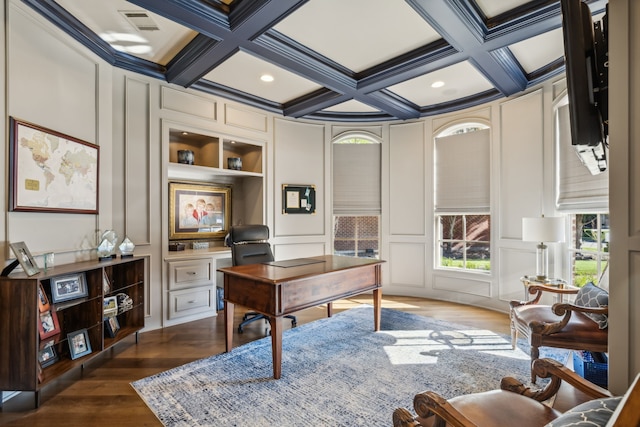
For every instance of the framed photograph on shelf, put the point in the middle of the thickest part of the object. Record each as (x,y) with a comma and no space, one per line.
(48,324)
(298,199)
(47,356)
(111,326)
(79,344)
(198,211)
(106,284)
(66,182)
(71,286)
(43,301)
(110,306)
(24,257)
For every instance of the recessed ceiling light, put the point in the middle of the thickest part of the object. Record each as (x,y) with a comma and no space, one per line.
(266,78)
(437,84)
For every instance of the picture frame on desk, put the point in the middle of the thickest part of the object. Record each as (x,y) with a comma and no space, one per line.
(199,211)
(68,287)
(48,325)
(30,189)
(79,344)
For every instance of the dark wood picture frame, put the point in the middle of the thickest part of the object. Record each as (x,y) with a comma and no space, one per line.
(48,325)
(199,211)
(298,199)
(68,287)
(65,181)
(79,344)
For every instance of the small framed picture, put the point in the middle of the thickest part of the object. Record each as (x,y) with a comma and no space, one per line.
(111,326)
(110,306)
(47,356)
(79,344)
(68,287)
(43,301)
(106,284)
(48,325)
(24,257)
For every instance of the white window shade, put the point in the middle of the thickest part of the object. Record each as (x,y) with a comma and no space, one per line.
(356,179)
(463,171)
(577,189)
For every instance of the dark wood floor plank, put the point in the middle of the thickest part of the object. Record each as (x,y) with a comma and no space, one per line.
(100,394)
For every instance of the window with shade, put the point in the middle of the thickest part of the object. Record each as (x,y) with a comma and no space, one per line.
(356,195)
(462,198)
(585,198)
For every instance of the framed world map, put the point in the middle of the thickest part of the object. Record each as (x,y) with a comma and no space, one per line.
(52,172)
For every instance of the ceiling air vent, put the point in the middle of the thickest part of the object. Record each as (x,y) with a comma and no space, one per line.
(140,19)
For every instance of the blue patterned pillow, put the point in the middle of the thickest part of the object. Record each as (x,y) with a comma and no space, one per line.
(592,413)
(592,296)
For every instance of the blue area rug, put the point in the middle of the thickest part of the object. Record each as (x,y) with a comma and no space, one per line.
(336,372)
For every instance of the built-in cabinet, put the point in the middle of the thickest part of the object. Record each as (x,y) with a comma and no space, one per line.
(57,320)
(197,155)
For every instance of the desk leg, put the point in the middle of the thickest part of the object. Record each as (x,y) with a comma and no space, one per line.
(329,309)
(228,325)
(377,305)
(276,345)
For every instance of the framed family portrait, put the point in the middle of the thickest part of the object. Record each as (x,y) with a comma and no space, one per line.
(198,211)
(43,301)
(110,306)
(71,286)
(48,324)
(25,258)
(79,344)
(51,171)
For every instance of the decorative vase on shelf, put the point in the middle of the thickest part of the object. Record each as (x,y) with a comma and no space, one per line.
(234,163)
(107,245)
(126,248)
(186,157)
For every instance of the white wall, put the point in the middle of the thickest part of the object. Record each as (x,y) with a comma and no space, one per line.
(54,82)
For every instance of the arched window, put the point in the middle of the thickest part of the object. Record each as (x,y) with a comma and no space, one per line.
(356,194)
(462,197)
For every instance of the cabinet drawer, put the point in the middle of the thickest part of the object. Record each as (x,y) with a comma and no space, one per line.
(191,301)
(187,274)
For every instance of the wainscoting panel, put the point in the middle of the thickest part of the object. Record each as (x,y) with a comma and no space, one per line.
(298,250)
(407,264)
(407,179)
(188,103)
(244,119)
(477,287)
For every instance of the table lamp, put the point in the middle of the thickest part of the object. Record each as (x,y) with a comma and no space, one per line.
(542,229)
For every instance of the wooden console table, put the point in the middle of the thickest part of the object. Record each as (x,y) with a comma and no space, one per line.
(283,287)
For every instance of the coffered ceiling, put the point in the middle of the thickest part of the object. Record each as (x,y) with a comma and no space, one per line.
(333,60)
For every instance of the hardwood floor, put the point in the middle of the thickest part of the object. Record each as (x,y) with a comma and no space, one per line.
(100,394)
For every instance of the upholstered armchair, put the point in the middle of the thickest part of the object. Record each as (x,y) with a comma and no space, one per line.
(581,325)
(566,399)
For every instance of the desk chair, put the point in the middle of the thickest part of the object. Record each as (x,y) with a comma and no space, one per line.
(249,245)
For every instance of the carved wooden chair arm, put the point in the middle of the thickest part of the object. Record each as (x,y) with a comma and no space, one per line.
(545,368)
(537,291)
(430,403)
(561,308)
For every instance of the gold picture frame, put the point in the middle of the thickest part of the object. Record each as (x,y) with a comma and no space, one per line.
(199,211)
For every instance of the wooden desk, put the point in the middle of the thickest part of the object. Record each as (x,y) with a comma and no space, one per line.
(276,291)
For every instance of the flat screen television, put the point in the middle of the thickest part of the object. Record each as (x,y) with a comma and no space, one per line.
(586,62)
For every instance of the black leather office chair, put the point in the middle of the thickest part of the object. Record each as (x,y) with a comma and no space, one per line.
(250,245)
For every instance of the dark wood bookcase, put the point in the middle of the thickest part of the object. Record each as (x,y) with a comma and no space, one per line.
(21,368)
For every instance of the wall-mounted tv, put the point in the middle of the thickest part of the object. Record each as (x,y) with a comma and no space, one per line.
(586,61)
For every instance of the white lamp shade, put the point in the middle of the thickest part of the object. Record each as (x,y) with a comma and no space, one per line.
(543,229)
